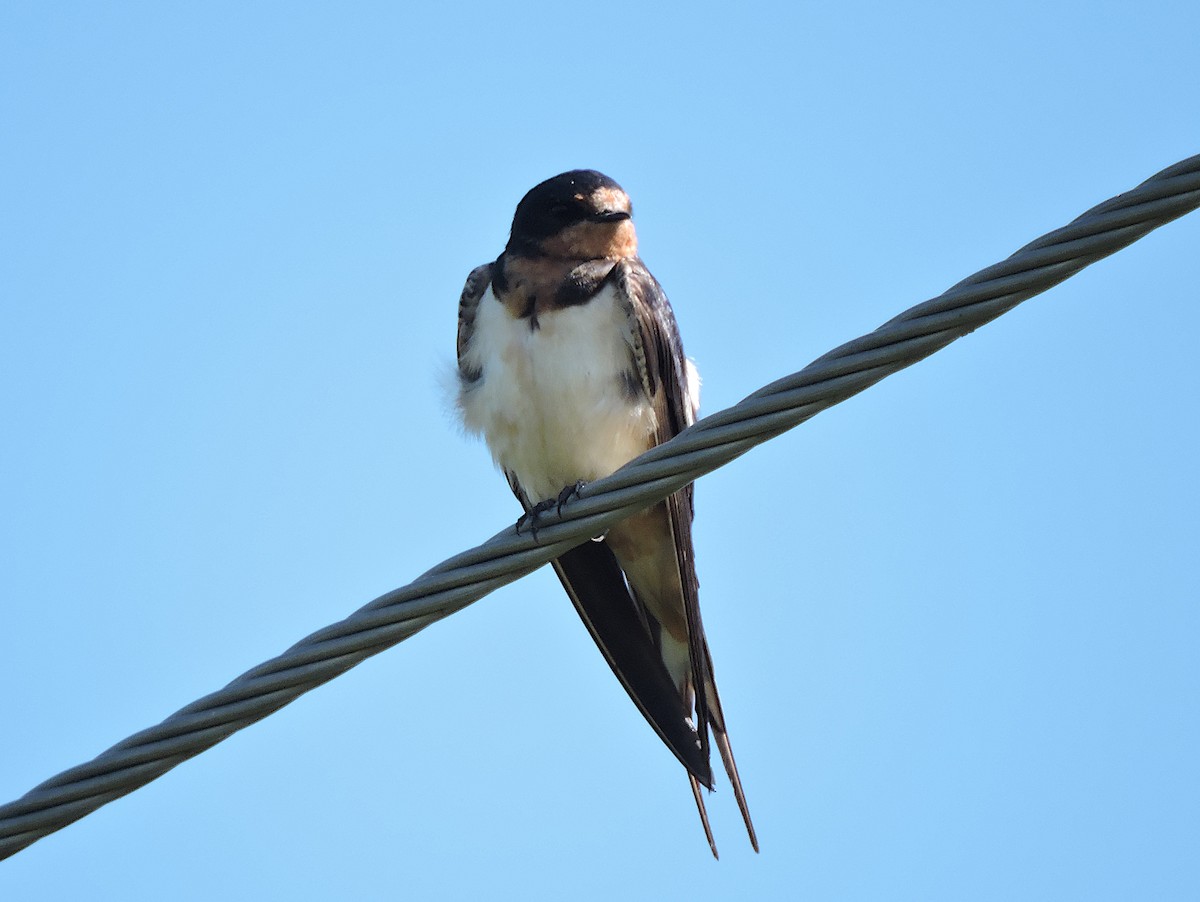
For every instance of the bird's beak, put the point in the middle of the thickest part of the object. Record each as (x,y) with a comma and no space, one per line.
(610,216)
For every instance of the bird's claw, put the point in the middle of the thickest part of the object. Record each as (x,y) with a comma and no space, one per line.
(571,491)
(531,517)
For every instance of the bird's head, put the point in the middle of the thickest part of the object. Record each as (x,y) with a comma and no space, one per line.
(579,215)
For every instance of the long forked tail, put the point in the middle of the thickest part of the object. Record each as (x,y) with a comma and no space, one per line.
(721,735)
(736,781)
(709,714)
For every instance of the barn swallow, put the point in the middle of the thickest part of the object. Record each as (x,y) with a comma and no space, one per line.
(570,365)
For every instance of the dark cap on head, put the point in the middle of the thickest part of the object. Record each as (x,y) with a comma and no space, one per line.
(581,195)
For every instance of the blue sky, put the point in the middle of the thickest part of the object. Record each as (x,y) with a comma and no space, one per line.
(955,619)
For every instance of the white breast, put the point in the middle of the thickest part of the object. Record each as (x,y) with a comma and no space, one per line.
(550,403)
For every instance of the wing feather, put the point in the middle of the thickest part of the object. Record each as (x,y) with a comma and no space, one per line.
(468,305)
(668,369)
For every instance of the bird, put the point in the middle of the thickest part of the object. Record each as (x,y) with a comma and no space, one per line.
(570,365)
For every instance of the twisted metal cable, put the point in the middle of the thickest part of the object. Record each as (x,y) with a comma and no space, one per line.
(710,443)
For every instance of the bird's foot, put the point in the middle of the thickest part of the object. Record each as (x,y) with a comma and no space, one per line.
(571,491)
(532,516)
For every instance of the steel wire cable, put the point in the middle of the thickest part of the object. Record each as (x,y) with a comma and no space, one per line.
(509,555)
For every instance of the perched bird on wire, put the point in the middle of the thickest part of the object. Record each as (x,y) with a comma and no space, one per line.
(570,365)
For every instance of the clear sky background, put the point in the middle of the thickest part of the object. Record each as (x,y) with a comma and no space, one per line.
(955,620)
